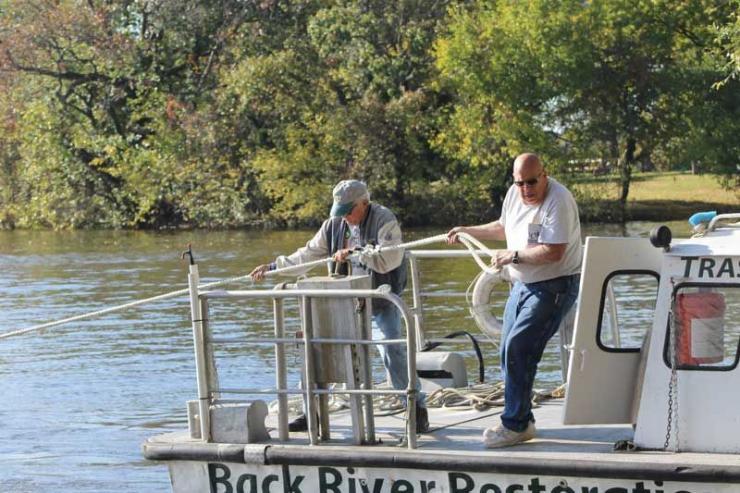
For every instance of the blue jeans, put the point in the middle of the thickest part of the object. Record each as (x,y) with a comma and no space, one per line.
(388,320)
(532,315)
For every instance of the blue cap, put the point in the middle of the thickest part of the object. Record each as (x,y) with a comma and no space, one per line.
(346,194)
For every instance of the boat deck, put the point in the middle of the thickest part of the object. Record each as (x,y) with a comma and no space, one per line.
(454,442)
(460,432)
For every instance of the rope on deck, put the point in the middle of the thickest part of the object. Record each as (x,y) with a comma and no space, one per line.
(479,397)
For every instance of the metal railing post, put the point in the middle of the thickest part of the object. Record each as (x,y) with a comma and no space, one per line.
(281,378)
(210,366)
(411,392)
(200,356)
(417,299)
(367,334)
(311,412)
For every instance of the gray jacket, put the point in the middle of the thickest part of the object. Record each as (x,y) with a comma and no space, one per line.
(380,227)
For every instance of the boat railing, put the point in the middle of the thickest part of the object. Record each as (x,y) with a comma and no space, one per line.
(713,224)
(207,380)
(418,306)
(415,338)
(419,294)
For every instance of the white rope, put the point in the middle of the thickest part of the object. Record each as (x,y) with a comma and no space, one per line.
(479,397)
(470,242)
(466,239)
(483,396)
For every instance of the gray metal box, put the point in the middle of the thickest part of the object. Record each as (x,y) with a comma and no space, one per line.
(232,421)
(335,319)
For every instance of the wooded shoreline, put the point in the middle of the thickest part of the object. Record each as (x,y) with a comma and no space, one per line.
(224,114)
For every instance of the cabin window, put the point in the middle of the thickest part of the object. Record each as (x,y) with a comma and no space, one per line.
(627,310)
(706,321)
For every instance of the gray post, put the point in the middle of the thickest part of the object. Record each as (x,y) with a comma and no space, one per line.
(367,334)
(200,356)
(418,308)
(280,372)
(311,413)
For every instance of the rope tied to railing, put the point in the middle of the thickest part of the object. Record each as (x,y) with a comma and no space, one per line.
(468,241)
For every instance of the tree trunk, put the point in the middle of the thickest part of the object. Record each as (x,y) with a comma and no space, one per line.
(400,171)
(625,173)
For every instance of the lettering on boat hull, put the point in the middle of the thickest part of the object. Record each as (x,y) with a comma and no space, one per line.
(711,267)
(214,477)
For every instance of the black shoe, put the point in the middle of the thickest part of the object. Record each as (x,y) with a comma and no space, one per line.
(422,420)
(299,424)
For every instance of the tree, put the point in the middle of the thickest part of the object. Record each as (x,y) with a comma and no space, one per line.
(106,81)
(622,78)
(340,92)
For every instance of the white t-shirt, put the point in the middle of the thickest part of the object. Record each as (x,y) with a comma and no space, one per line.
(553,221)
(355,241)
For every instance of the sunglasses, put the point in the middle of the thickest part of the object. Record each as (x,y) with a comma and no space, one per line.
(530,183)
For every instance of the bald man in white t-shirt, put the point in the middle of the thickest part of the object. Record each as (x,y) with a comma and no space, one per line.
(539,221)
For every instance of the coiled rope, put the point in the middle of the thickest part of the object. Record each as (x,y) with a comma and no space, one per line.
(479,397)
(468,241)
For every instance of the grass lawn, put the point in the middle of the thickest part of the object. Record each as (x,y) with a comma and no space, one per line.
(670,195)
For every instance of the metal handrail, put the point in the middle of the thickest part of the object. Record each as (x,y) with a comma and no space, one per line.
(412,317)
(446,253)
(418,296)
(267,340)
(723,217)
(207,390)
(333,391)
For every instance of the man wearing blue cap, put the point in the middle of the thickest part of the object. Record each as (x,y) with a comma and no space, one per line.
(355,222)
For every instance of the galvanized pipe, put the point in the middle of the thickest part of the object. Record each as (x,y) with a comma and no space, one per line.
(200,357)
(432,294)
(381,292)
(259,391)
(367,321)
(314,391)
(447,253)
(418,309)
(287,340)
(311,413)
(281,375)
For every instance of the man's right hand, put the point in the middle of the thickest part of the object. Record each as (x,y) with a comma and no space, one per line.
(258,273)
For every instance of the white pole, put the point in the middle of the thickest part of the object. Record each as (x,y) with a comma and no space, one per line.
(200,357)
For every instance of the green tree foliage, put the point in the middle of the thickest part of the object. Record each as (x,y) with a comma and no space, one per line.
(342,92)
(221,113)
(619,80)
(103,84)
(728,42)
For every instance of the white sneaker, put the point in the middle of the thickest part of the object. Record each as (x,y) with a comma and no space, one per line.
(504,437)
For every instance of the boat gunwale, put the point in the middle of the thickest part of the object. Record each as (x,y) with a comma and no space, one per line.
(328,456)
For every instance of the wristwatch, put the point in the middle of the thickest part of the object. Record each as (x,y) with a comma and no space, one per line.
(515,260)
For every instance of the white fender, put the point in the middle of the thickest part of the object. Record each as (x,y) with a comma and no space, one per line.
(480,304)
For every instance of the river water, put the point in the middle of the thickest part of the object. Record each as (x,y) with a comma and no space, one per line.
(80,399)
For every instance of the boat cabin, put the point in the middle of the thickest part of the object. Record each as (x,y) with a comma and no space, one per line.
(672,380)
